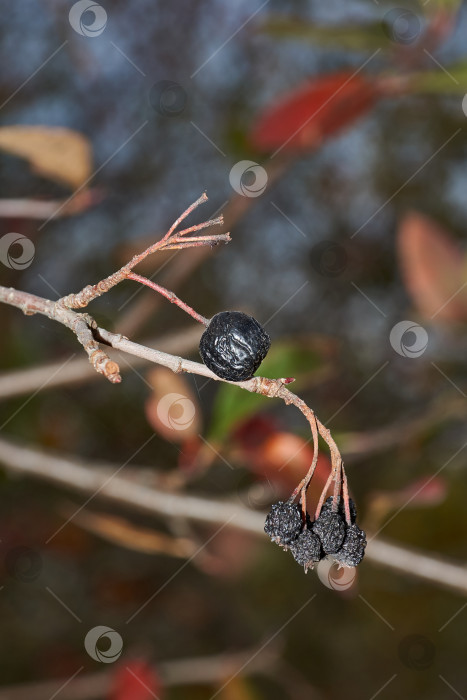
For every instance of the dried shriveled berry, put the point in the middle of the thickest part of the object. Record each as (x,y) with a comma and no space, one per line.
(327,505)
(306,549)
(330,528)
(283,523)
(234,345)
(353,549)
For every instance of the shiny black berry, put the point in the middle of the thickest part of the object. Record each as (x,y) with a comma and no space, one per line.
(353,549)
(327,505)
(306,549)
(283,523)
(234,345)
(330,528)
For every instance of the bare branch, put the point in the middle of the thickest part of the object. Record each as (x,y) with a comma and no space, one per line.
(44,209)
(56,374)
(80,324)
(206,670)
(93,479)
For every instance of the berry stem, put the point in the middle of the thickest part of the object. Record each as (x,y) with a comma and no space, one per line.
(173,298)
(345,492)
(337,472)
(323,496)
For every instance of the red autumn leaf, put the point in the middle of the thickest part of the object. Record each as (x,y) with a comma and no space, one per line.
(279,456)
(135,681)
(316,110)
(433,268)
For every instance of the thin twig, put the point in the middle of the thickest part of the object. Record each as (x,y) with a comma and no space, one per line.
(56,374)
(173,298)
(169,242)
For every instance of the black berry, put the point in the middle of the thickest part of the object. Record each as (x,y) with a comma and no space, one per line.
(352,507)
(353,549)
(234,345)
(330,528)
(283,523)
(306,549)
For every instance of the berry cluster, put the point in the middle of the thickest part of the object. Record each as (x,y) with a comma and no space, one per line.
(309,542)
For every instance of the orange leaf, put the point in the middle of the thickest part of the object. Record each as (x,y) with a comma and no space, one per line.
(433,267)
(61,154)
(309,114)
(172,410)
(135,681)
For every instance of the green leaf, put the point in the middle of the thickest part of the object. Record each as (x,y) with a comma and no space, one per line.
(364,37)
(451,80)
(233,405)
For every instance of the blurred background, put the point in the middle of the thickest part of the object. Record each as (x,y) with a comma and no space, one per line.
(332,138)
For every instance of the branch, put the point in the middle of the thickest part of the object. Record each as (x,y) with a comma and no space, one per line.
(203,670)
(93,480)
(44,209)
(56,374)
(171,241)
(80,324)
(273,388)
(88,334)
